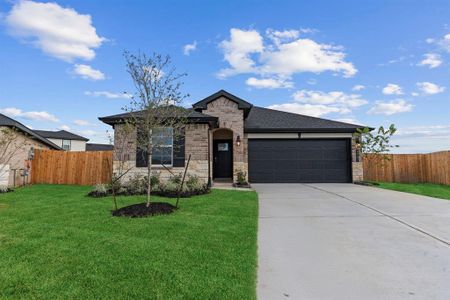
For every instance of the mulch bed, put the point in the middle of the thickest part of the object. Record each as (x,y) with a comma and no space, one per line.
(141,210)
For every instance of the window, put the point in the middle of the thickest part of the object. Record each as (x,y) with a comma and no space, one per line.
(162,141)
(66,145)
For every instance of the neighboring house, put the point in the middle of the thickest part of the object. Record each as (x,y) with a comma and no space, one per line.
(99,147)
(64,139)
(24,141)
(226,134)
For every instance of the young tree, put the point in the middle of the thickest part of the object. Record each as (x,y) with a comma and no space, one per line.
(11,144)
(155,108)
(375,147)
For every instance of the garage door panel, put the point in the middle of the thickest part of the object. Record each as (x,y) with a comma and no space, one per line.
(299,161)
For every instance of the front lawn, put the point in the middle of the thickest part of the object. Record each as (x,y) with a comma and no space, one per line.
(426,189)
(57,243)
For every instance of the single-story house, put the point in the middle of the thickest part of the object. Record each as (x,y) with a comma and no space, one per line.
(227,134)
(66,140)
(15,151)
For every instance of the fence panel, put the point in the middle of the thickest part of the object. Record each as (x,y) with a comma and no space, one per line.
(64,167)
(410,168)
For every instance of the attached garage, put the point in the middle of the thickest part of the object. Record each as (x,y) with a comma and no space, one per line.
(299,160)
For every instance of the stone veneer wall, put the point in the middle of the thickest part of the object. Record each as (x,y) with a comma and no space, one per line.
(231,117)
(196,144)
(357,166)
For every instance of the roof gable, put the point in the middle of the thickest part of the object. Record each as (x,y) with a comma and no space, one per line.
(242,104)
(268,120)
(8,122)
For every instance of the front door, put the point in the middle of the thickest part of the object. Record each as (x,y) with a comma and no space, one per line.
(223,158)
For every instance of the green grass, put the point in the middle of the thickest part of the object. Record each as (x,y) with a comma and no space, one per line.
(426,189)
(57,243)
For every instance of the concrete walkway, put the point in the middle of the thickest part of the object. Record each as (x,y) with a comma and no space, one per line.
(344,241)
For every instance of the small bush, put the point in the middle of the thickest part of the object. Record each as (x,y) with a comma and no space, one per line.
(100,190)
(241,177)
(5,189)
(136,185)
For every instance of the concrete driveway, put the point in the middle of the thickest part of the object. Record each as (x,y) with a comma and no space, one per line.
(345,241)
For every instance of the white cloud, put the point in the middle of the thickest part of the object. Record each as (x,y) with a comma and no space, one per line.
(87,72)
(81,122)
(187,49)
(431,60)
(348,120)
(59,32)
(238,49)
(358,87)
(392,89)
(318,103)
(422,138)
(29,115)
(306,109)
(414,94)
(106,94)
(64,127)
(390,107)
(269,83)
(89,132)
(337,98)
(445,42)
(283,55)
(279,37)
(305,55)
(426,130)
(430,88)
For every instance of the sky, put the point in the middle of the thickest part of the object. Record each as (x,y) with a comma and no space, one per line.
(366,62)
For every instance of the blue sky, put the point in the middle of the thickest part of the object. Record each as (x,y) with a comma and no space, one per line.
(370,62)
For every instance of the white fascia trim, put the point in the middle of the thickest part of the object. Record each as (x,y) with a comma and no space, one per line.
(324,135)
(286,135)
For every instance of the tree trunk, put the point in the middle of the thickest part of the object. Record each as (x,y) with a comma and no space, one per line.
(149,168)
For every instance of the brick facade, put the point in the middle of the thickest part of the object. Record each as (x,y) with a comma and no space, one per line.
(232,118)
(196,144)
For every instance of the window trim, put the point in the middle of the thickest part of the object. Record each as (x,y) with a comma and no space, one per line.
(171,146)
(70,145)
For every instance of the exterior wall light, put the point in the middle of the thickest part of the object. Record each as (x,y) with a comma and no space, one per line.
(238,140)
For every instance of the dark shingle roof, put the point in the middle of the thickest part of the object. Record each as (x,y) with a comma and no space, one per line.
(99,147)
(60,134)
(8,122)
(268,120)
(192,116)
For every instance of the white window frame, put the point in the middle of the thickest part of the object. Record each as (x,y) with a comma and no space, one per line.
(164,146)
(70,144)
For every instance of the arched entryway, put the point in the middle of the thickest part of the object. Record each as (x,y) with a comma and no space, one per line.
(222,154)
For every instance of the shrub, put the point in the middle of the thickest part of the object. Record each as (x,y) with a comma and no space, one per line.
(241,177)
(5,189)
(137,185)
(100,190)
(176,179)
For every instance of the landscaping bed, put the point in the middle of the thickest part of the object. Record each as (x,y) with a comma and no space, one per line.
(56,243)
(142,210)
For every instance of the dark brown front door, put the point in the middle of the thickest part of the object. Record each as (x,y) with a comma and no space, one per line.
(223,158)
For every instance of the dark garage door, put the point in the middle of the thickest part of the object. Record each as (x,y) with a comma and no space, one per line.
(285,161)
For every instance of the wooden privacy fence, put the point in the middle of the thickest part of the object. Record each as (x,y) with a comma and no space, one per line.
(410,168)
(64,167)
